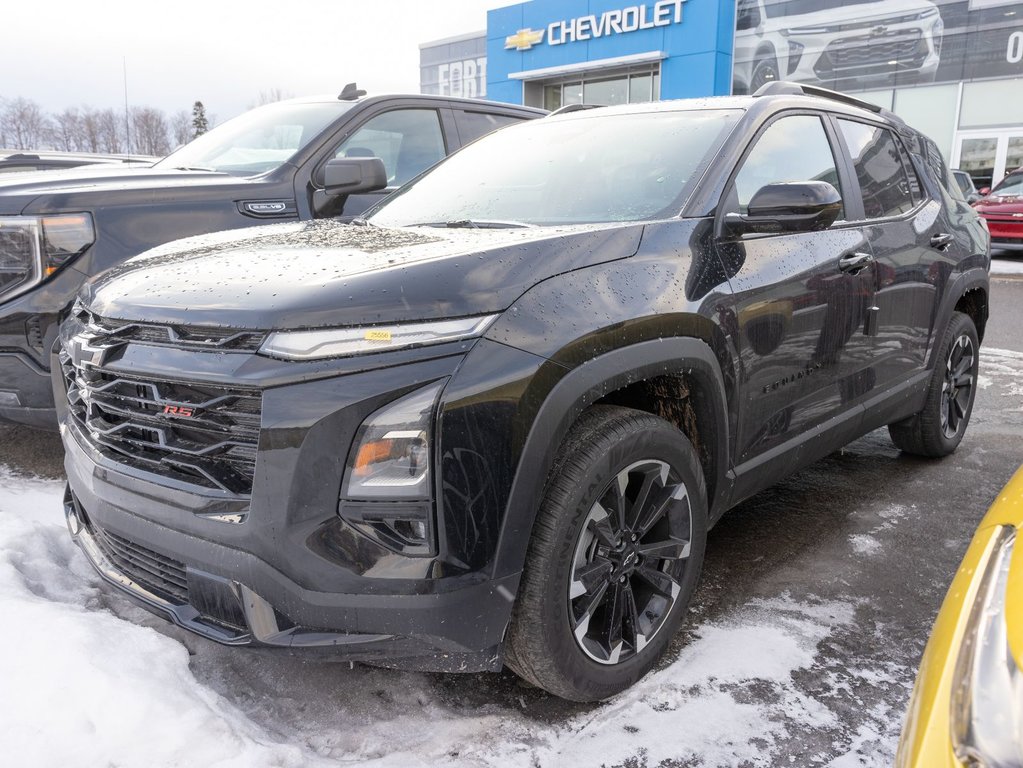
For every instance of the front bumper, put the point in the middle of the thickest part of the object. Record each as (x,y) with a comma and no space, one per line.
(278,567)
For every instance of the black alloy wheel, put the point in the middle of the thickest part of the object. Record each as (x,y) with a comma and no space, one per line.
(629,561)
(938,429)
(615,554)
(957,388)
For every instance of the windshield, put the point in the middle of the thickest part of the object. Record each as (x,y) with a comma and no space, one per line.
(1010,185)
(599,168)
(259,140)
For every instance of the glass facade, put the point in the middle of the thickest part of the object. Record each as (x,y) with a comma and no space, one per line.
(606,88)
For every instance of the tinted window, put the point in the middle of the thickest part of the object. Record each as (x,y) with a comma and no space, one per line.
(793,148)
(887,181)
(408,141)
(589,167)
(472,125)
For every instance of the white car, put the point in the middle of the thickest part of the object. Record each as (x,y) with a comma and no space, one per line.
(839,43)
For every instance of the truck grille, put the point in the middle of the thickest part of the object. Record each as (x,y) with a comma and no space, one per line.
(868,54)
(161,575)
(178,336)
(193,432)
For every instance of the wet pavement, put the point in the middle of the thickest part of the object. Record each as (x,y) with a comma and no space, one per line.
(847,562)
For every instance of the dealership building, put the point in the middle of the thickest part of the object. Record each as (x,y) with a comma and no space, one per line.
(951,68)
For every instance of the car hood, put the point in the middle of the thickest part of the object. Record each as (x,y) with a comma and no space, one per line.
(859,13)
(79,188)
(1000,204)
(325,273)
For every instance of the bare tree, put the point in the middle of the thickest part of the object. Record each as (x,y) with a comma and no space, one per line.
(66,130)
(180,128)
(271,96)
(110,125)
(149,131)
(24,124)
(91,139)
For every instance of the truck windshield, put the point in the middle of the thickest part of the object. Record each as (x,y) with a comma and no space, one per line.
(1010,185)
(259,140)
(599,168)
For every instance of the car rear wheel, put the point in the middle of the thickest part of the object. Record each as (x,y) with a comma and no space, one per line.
(616,552)
(939,428)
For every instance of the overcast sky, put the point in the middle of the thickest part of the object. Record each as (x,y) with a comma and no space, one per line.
(64,53)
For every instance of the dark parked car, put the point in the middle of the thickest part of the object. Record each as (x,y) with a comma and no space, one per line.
(287,161)
(966,185)
(19,161)
(493,423)
(1002,209)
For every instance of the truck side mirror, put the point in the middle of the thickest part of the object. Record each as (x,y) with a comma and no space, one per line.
(351,175)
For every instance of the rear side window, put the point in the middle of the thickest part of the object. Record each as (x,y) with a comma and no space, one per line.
(888,183)
(793,148)
(472,125)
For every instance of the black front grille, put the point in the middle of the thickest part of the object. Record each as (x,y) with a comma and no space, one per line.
(193,432)
(180,336)
(867,54)
(159,574)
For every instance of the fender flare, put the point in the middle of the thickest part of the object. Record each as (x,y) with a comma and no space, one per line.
(959,285)
(577,390)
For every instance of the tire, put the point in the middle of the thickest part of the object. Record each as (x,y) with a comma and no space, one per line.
(566,635)
(765,71)
(938,429)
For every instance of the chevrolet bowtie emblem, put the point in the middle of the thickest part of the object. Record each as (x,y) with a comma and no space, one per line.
(524,39)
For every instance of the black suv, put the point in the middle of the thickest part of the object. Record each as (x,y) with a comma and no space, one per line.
(492,422)
(299,160)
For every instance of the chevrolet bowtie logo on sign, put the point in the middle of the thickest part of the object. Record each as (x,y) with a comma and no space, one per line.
(524,39)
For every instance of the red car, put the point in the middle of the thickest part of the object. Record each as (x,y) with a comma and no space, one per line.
(1002,207)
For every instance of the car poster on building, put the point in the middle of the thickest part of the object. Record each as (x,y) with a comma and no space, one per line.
(852,45)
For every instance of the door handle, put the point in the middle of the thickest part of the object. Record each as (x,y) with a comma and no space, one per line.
(854,263)
(942,240)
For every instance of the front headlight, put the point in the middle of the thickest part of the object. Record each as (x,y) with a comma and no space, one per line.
(34,247)
(987,694)
(387,488)
(343,342)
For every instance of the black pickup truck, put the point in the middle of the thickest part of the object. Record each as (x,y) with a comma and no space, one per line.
(270,164)
(494,427)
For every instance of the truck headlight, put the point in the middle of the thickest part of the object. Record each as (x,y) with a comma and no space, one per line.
(344,342)
(34,247)
(386,492)
(987,693)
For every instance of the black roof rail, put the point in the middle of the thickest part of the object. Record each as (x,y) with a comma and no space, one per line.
(573,108)
(350,93)
(784,88)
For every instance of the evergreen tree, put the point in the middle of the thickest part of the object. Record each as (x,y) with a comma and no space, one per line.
(199,122)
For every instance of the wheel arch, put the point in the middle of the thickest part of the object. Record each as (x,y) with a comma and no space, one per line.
(968,293)
(621,377)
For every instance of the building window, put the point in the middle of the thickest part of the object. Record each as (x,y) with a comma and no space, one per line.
(607,87)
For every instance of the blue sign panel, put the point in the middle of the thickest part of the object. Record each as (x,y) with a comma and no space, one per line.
(534,41)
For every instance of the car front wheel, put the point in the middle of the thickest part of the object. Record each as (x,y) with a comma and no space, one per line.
(616,552)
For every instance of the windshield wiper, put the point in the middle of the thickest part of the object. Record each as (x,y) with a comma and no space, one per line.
(194,168)
(474,224)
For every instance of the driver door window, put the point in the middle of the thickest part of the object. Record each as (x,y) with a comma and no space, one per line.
(407,140)
(794,148)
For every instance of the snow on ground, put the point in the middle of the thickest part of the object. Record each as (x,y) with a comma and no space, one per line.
(1005,368)
(85,687)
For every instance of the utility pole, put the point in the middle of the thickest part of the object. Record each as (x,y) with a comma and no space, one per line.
(127,123)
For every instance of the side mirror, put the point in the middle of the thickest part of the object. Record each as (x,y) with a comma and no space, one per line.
(351,175)
(797,206)
(984,191)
